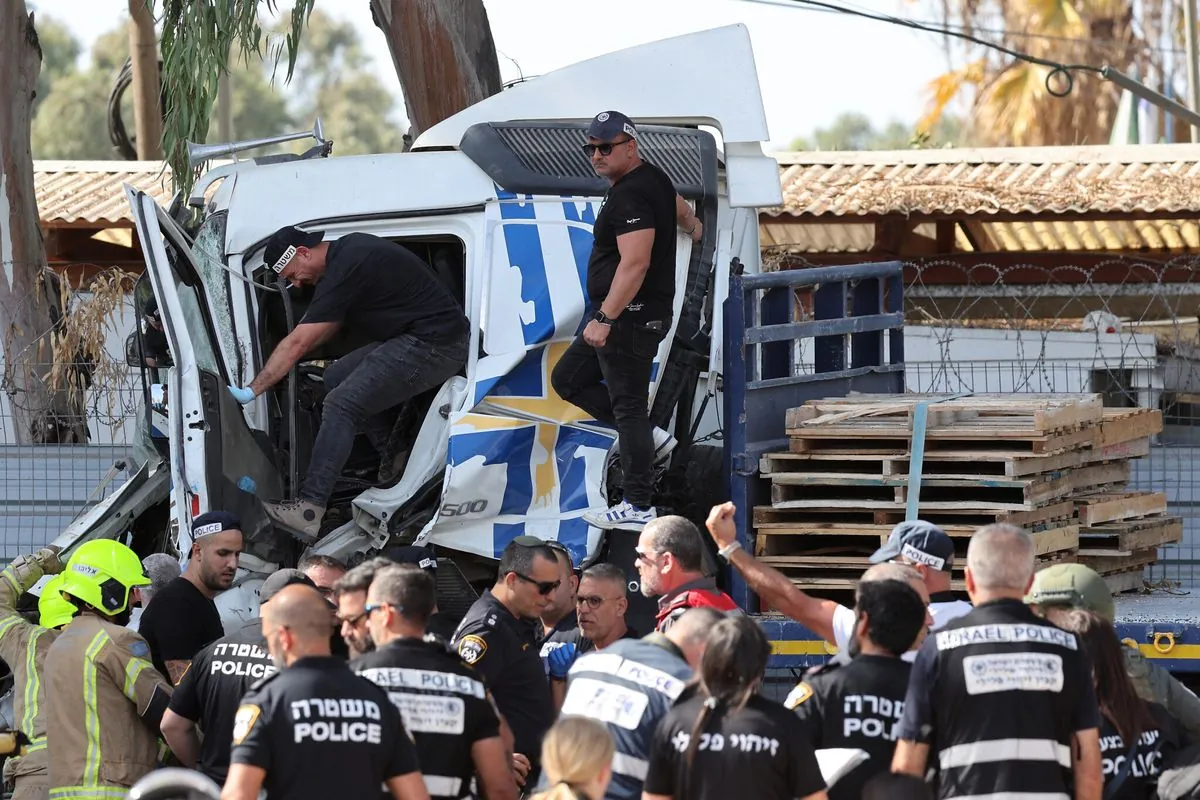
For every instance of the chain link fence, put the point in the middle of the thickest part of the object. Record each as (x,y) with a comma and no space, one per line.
(44,486)
(1127,328)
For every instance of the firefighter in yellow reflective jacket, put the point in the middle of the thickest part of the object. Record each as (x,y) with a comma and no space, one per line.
(104,699)
(23,646)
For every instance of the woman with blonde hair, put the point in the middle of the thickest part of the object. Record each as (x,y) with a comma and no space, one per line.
(576,760)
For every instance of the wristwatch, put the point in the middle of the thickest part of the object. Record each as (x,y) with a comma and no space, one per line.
(602,318)
(728,550)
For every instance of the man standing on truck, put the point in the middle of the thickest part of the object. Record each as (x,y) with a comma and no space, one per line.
(631,289)
(383,293)
(1079,586)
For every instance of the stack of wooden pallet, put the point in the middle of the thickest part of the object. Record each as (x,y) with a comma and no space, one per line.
(1056,465)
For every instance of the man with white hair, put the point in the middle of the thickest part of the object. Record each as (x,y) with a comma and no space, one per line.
(161,569)
(1004,698)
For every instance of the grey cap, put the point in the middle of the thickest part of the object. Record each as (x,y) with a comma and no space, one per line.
(281,579)
(920,542)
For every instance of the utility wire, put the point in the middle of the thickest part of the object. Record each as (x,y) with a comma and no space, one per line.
(954,26)
(1063,71)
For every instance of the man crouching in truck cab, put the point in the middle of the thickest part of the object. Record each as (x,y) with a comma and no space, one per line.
(419,339)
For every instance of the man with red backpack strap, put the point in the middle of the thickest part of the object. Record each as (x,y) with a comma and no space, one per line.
(670,563)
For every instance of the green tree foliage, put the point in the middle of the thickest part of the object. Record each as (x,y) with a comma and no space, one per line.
(854,131)
(333,80)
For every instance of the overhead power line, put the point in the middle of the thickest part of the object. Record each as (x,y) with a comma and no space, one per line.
(1059,71)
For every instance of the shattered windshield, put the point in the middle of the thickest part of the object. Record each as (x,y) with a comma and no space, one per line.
(208,253)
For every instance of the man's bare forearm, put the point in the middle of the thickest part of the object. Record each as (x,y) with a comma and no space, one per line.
(625,286)
(781,594)
(284,357)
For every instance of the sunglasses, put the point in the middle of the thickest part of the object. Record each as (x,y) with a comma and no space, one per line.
(352,621)
(605,149)
(591,601)
(543,587)
(371,608)
(645,555)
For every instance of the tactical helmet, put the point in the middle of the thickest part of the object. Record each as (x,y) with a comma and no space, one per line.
(101,573)
(54,609)
(1072,585)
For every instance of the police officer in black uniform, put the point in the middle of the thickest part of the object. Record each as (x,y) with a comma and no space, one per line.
(315,730)
(859,705)
(445,705)
(210,691)
(1003,698)
(494,638)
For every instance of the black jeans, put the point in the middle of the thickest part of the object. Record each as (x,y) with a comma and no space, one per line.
(364,384)
(622,400)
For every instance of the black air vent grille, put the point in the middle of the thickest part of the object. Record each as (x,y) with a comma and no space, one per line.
(548,158)
(559,152)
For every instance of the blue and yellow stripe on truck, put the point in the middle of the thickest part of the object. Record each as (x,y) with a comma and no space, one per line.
(1175,647)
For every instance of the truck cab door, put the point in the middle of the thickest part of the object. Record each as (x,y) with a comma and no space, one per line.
(216,461)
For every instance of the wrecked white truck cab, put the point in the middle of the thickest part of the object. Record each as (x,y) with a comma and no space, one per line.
(499,200)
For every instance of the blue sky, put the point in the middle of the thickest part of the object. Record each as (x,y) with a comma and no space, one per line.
(812,65)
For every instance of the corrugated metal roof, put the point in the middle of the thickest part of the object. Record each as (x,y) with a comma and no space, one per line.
(1084,180)
(72,192)
(1044,235)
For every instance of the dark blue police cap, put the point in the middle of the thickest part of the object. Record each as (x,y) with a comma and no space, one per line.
(214,522)
(609,125)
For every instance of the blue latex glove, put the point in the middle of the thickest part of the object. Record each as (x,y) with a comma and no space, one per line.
(243,395)
(560,660)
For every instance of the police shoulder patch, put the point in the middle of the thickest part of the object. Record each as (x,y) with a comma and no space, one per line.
(471,648)
(243,722)
(798,696)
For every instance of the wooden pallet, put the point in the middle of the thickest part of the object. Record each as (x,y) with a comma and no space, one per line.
(772,517)
(1032,413)
(1117,506)
(816,488)
(1125,425)
(1127,536)
(1128,581)
(939,443)
(773,544)
(1110,564)
(991,463)
(847,579)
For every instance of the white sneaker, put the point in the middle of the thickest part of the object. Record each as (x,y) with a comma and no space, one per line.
(664,443)
(621,517)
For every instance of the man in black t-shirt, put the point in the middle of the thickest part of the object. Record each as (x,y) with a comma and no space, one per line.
(211,690)
(182,618)
(315,730)
(1001,701)
(444,702)
(631,289)
(858,705)
(385,294)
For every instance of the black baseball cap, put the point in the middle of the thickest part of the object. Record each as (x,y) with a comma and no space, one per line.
(418,556)
(214,522)
(607,126)
(281,247)
(280,580)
